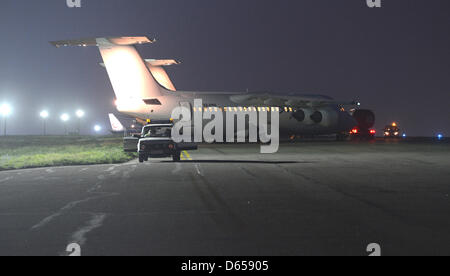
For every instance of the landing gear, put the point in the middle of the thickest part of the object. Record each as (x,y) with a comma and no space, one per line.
(176,157)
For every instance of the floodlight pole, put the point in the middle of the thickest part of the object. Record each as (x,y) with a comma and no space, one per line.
(4,129)
(79,126)
(45,127)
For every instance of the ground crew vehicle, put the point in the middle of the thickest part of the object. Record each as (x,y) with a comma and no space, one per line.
(155,141)
(392,131)
(364,130)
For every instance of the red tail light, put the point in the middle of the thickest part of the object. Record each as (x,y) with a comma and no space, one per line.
(373,131)
(355,131)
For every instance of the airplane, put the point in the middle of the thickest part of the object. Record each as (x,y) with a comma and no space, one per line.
(116,125)
(141,96)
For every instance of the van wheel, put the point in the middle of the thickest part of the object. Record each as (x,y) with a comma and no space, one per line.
(176,157)
(141,158)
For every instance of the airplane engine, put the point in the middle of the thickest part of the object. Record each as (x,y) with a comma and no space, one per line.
(299,115)
(317,117)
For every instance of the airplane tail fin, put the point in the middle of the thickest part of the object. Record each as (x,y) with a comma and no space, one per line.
(128,72)
(116,125)
(156,67)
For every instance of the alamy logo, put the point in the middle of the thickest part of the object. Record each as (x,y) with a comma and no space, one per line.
(253,123)
(374,3)
(73,3)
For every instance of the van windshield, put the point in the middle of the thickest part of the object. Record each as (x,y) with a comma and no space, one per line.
(158,131)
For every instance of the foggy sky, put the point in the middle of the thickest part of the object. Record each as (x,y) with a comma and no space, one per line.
(395,60)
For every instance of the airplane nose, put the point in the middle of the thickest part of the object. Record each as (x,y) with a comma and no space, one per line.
(346,122)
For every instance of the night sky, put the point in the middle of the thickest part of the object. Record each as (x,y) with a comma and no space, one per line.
(395,60)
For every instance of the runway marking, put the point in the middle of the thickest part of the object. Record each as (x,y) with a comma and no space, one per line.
(6,179)
(96,221)
(199,170)
(63,210)
(110,169)
(96,187)
(185,155)
(188,156)
(73,204)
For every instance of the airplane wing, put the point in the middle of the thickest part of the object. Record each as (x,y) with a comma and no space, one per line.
(161,62)
(121,41)
(288,101)
(155,62)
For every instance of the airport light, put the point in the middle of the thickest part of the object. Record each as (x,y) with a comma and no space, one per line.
(5,111)
(440,136)
(97,128)
(80,114)
(44,115)
(404,135)
(65,118)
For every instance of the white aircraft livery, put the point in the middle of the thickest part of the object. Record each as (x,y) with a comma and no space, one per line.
(143,90)
(116,125)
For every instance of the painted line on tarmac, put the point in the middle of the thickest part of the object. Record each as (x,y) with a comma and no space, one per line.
(96,221)
(199,170)
(186,154)
(6,179)
(66,208)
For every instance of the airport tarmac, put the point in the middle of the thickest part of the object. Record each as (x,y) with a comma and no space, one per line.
(319,198)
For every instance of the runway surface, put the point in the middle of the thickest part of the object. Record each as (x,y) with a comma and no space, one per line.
(321,198)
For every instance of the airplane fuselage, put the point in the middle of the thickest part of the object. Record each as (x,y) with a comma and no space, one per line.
(333,121)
